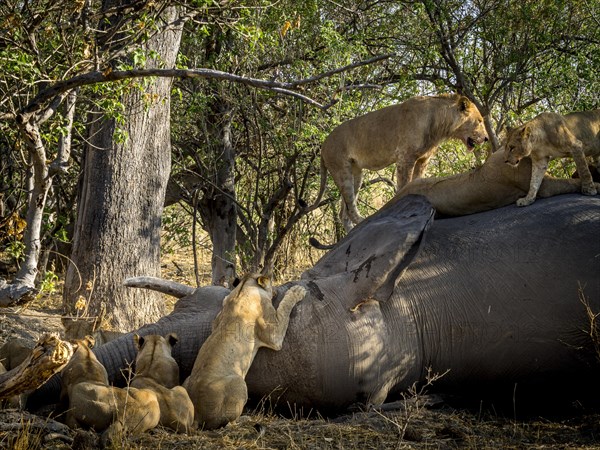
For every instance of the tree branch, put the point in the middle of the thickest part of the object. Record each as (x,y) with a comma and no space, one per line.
(96,77)
(86,79)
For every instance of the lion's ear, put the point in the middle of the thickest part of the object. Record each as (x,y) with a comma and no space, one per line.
(138,340)
(263,281)
(526,132)
(463,104)
(172,339)
(89,341)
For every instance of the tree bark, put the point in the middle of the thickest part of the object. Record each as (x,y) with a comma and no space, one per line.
(117,234)
(218,206)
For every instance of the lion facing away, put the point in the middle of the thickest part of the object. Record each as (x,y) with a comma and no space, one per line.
(93,403)
(157,370)
(247,322)
(551,135)
(406,134)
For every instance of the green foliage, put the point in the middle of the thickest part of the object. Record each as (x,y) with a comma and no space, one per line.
(176,229)
(513,66)
(15,249)
(49,283)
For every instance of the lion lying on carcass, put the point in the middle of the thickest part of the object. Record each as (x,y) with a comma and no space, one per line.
(246,322)
(406,134)
(550,135)
(492,185)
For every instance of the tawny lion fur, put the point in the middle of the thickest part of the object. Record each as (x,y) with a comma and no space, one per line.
(492,185)
(551,135)
(157,370)
(92,403)
(406,134)
(247,322)
(80,328)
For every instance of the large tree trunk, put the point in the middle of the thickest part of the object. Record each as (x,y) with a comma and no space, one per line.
(117,234)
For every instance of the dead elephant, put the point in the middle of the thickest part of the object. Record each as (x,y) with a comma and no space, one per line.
(494,297)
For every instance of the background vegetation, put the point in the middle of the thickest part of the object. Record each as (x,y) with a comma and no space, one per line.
(258,148)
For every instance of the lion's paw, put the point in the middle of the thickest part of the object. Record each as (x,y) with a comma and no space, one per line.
(524,201)
(589,190)
(295,293)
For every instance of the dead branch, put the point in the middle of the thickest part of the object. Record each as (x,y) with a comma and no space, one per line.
(48,357)
(173,288)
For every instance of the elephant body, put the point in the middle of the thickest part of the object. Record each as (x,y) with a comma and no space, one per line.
(492,299)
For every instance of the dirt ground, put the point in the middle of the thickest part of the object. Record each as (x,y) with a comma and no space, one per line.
(420,421)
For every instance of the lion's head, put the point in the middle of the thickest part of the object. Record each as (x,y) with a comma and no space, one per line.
(518,144)
(253,282)
(472,129)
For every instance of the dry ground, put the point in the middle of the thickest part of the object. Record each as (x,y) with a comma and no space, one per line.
(421,421)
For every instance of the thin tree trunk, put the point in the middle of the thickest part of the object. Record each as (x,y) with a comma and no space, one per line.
(218,207)
(22,288)
(117,234)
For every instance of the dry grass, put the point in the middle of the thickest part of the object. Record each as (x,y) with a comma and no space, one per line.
(440,428)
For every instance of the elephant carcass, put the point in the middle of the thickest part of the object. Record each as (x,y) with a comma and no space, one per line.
(492,297)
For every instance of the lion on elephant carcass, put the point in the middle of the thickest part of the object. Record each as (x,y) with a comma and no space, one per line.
(93,403)
(550,135)
(247,322)
(406,134)
(157,370)
(492,185)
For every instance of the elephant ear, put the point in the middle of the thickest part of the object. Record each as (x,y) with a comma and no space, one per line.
(378,250)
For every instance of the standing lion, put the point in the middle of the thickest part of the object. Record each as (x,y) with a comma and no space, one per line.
(550,135)
(406,134)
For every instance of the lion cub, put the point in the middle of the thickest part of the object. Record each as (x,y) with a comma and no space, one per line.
(551,135)
(92,403)
(247,322)
(157,370)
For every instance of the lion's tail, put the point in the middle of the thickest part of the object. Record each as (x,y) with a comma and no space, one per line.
(322,187)
(316,244)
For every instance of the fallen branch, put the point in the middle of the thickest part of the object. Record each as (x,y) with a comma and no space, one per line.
(48,357)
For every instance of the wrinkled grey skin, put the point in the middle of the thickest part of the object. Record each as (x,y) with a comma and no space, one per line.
(492,297)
